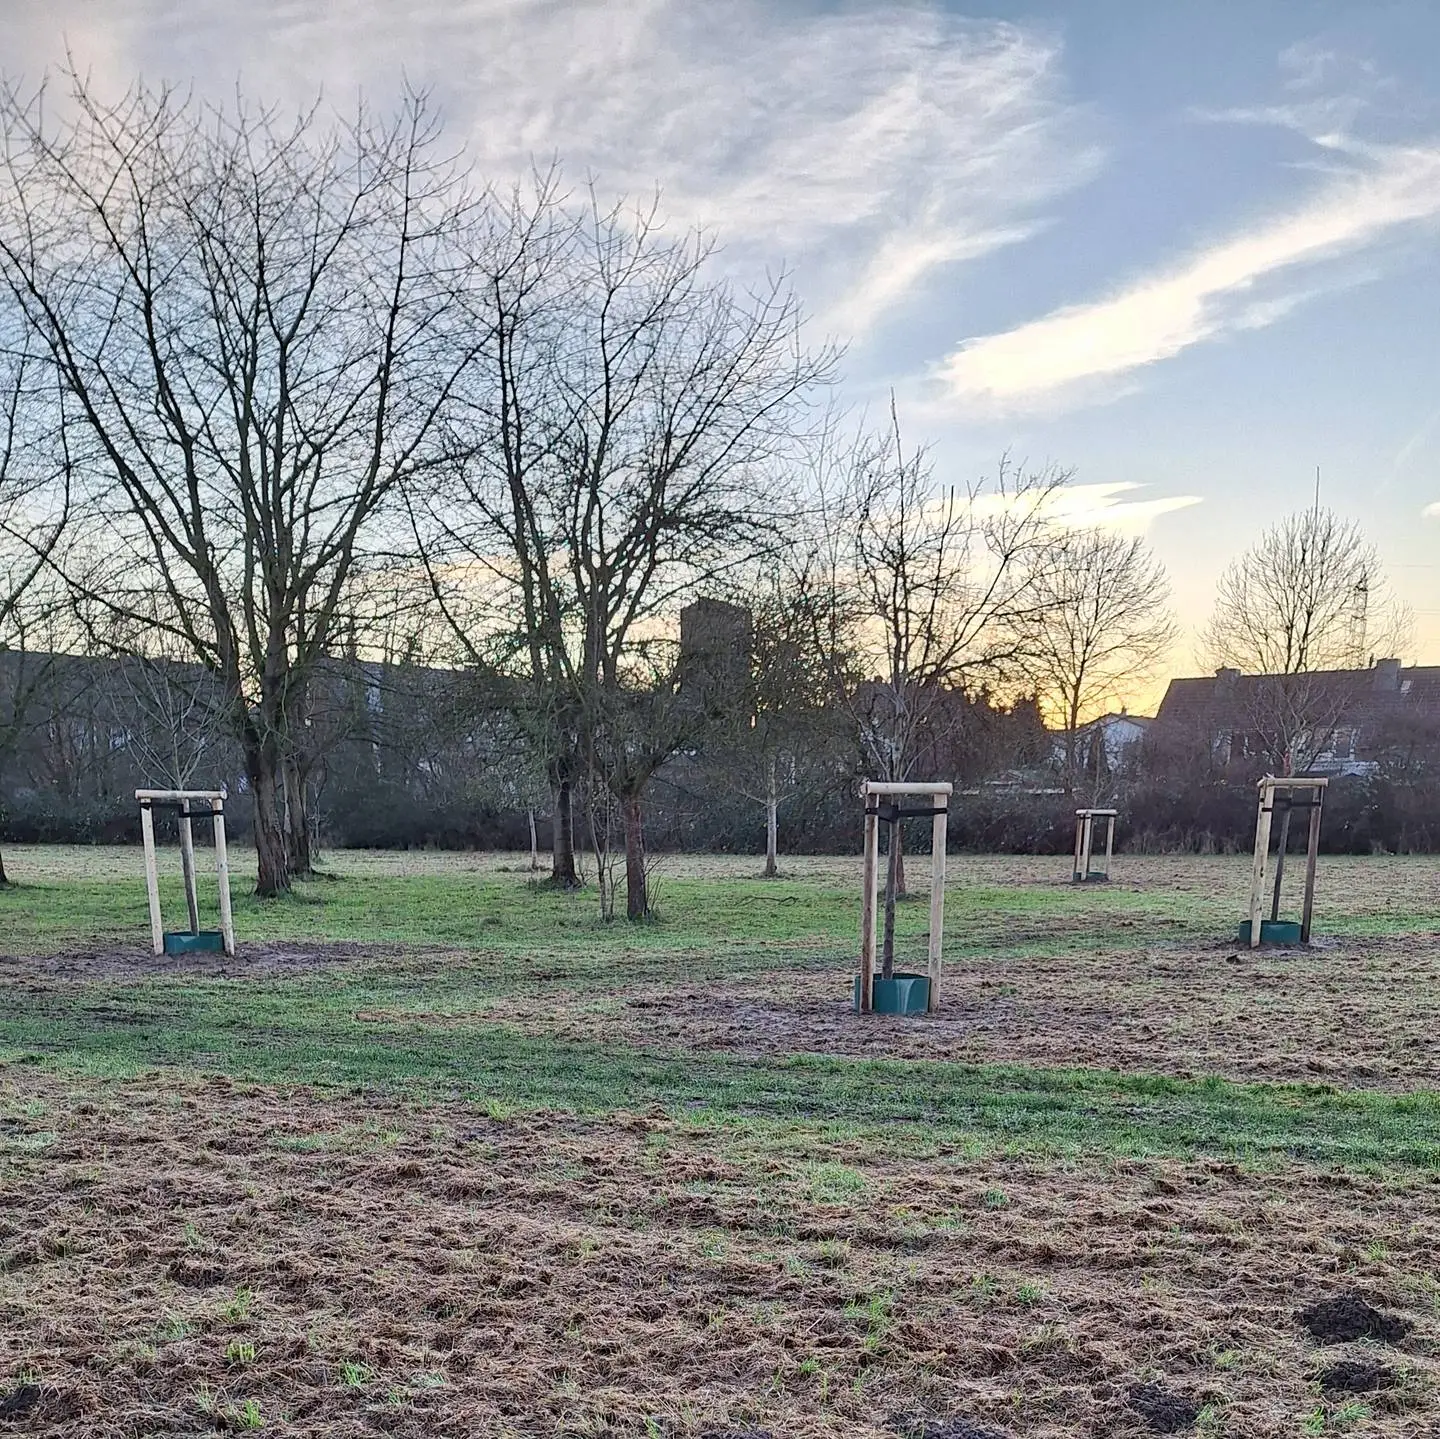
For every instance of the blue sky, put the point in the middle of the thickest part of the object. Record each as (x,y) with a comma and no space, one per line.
(1188,249)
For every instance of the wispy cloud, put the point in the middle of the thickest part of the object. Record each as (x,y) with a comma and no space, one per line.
(1325,94)
(868,147)
(1076,351)
(1416,441)
(1117,505)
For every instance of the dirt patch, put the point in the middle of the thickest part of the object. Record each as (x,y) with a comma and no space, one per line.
(1357,1376)
(1349,1316)
(20,1401)
(200,1255)
(254,959)
(1362,1014)
(1162,1410)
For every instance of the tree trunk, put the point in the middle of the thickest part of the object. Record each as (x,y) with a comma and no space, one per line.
(1072,744)
(4,878)
(897,842)
(262,768)
(772,822)
(534,841)
(297,822)
(637,894)
(562,838)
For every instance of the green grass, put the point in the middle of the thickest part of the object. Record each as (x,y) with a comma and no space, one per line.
(506,936)
(512,915)
(76,896)
(292,1032)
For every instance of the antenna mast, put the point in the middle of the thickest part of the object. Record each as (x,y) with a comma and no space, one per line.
(1359,621)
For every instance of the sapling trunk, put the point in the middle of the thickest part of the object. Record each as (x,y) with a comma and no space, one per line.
(1280,862)
(772,822)
(892,872)
(187,868)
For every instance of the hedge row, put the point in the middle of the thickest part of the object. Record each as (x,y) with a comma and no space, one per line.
(1362,816)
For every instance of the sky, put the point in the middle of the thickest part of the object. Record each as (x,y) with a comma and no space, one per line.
(1190,250)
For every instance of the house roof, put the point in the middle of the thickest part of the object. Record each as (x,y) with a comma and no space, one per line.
(1385,692)
(1105,720)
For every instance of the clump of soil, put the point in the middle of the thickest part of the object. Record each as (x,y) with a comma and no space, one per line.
(1162,1409)
(19,1401)
(1357,1376)
(1348,1316)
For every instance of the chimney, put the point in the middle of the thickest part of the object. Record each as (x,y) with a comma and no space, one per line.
(1387,674)
(1226,677)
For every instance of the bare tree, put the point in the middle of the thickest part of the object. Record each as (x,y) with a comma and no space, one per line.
(775,731)
(931,589)
(487,558)
(1309,595)
(34,512)
(178,719)
(251,323)
(34,473)
(625,421)
(1307,600)
(30,672)
(1098,624)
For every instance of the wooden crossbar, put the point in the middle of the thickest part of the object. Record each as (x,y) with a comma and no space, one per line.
(179,796)
(885,786)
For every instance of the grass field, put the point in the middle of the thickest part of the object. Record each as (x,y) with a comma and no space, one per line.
(439,1153)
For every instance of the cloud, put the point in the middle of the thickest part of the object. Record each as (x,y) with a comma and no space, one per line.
(1326,94)
(1107,505)
(1082,350)
(1416,441)
(868,147)
(1101,505)
(1431,512)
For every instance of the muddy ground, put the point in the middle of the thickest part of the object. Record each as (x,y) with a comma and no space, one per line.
(185,1257)
(1351,1012)
(1354,1013)
(254,959)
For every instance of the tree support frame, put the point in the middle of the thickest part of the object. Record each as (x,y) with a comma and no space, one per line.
(1083,872)
(188,803)
(1287,794)
(875,793)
